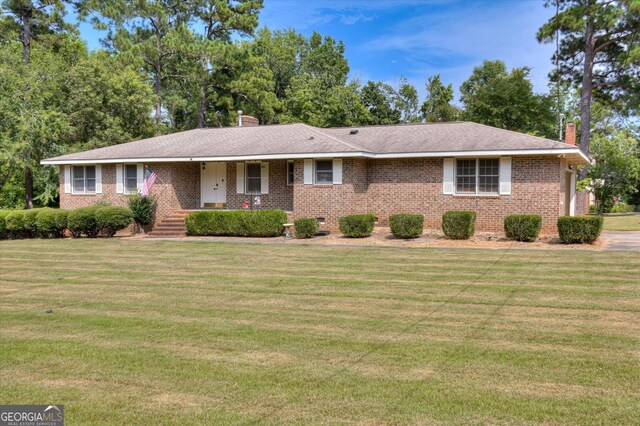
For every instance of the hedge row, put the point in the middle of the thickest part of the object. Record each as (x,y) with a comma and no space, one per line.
(252,223)
(52,223)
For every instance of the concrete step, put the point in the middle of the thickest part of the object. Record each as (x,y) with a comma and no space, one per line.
(164,234)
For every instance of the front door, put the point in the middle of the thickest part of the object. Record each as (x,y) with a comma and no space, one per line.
(213,185)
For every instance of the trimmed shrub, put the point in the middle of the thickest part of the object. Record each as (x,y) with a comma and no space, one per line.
(522,227)
(459,225)
(3,224)
(306,227)
(406,225)
(357,225)
(14,224)
(579,229)
(142,209)
(83,221)
(253,223)
(51,223)
(113,218)
(29,222)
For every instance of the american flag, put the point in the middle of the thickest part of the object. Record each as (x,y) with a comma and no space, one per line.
(149,180)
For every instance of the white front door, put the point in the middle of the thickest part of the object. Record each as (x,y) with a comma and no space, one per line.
(213,184)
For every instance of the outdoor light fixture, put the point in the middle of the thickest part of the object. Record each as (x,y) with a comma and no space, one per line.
(204,165)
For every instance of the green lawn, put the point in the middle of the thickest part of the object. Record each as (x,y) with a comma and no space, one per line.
(622,222)
(151,332)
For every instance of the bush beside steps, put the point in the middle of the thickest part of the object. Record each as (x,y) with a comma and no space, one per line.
(459,225)
(579,229)
(252,223)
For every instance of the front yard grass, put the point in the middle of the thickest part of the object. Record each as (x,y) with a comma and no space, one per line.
(621,222)
(147,332)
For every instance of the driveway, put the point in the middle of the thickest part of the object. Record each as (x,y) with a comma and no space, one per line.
(627,241)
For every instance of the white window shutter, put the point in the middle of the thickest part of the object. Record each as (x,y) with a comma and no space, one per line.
(447,176)
(240,178)
(337,171)
(119,179)
(308,172)
(505,175)
(140,177)
(67,179)
(98,179)
(264,177)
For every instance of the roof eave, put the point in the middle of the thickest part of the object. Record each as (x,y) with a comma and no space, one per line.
(573,151)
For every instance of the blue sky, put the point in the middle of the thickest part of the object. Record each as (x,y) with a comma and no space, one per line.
(386,39)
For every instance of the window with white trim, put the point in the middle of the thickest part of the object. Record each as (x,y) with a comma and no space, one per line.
(290,172)
(477,176)
(253,178)
(323,174)
(84,179)
(130,178)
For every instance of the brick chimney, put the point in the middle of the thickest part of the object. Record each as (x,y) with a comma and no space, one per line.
(570,134)
(247,120)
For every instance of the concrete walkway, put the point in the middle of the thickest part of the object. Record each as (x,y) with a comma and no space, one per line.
(627,241)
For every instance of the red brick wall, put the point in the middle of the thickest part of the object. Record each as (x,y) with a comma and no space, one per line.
(383,187)
(332,201)
(177,188)
(415,186)
(280,194)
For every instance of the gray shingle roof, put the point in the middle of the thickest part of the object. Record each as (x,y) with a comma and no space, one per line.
(299,140)
(441,137)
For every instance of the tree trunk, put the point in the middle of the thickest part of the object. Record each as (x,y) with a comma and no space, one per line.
(26,36)
(158,89)
(26,58)
(28,188)
(202,107)
(587,89)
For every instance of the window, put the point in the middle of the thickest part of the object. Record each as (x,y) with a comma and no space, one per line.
(324,172)
(130,178)
(477,176)
(289,172)
(253,178)
(488,175)
(84,179)
(466,176)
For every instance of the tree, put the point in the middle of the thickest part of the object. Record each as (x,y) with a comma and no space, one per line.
(281,50)
(29,20)
(406,101)
(616,171)
(148,32)
(437,106)
(378,97)
(318,93)
(599,49)
(496,97)
(220,20)
(33,121)
(110,102)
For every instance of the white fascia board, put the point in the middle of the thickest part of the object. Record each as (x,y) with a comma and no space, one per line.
(361,154)
(212,159)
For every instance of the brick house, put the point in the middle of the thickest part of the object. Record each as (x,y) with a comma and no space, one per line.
(328,173)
